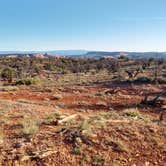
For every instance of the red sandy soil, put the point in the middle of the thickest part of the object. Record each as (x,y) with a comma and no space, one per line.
(139,137)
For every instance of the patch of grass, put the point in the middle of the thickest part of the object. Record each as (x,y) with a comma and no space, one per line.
(117,145)
(97,161)
(110,115)
(52,117)
(100,123)
(1,136)
(85,160)
(30,126)
(155,140)
(85,125)
(76,151)
(28,81)
(94,117)
(4,113)
(133,113)
(9,88)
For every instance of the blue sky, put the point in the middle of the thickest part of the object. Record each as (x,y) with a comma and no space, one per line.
(112,25)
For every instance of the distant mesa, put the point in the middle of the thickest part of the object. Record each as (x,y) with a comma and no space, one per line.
(82,54)
(108,57)
(12,56)
(39,55)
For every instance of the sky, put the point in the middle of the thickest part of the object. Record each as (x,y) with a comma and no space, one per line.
(110,25)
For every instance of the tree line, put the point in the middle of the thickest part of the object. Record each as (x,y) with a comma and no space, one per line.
(23,67)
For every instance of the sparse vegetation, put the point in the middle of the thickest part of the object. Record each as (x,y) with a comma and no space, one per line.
(76,151)
(28,81)
(7,74)
(117,145)
(82,111)
(132,113)
(1,137)
(30,126)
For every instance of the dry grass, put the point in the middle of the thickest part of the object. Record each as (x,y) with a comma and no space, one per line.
(30,126)
(132,113)
(1,136)
(117,144)
(9,88)
(98,135)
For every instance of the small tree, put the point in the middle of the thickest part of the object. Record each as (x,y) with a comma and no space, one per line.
(132,73)
(158,64)
(8,74)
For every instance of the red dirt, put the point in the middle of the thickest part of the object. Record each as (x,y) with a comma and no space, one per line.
(92,99)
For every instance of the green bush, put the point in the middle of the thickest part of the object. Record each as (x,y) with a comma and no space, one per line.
(132,113)
(28,81)
(8,74)
(76,151)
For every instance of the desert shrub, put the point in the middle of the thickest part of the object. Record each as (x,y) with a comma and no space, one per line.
(30,126)
(28,81)
(117,145)
(8,74)
(52,117)
(132,113)
(76,151)
(98,160)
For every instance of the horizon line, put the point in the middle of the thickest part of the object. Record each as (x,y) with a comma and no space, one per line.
(86,50)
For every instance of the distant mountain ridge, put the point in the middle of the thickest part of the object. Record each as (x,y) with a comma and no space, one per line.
(87,54)
(99,54)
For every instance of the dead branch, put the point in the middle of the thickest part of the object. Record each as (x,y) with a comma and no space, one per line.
(154,100)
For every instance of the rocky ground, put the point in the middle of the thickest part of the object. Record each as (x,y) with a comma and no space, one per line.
(87,124)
